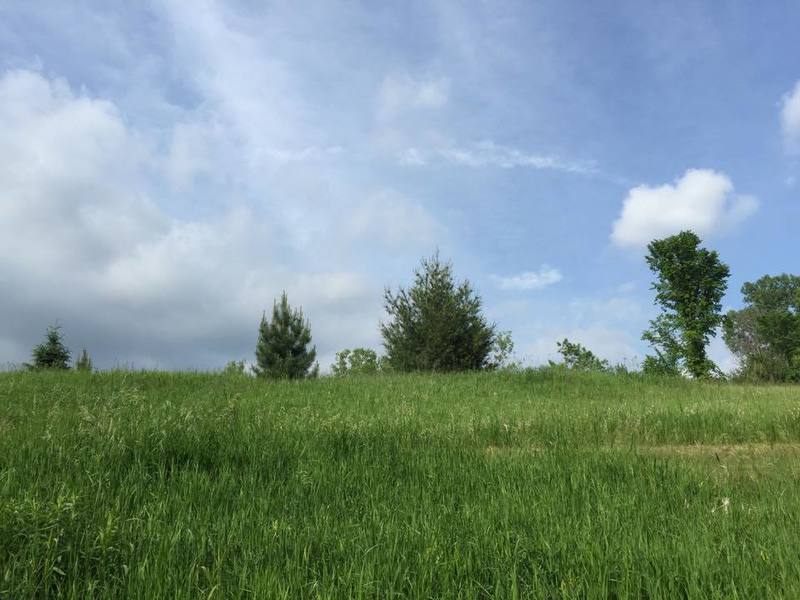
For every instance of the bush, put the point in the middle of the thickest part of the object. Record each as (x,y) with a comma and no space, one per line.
(579,358)
(236,368)
(358,361)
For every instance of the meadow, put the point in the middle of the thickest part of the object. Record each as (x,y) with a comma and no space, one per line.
(539,484)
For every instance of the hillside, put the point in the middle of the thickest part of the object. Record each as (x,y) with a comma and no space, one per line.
(535,484)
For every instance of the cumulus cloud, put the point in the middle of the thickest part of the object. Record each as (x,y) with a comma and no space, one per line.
(70,173)
(530,280)
(702,200)
(82,241)
(790,118)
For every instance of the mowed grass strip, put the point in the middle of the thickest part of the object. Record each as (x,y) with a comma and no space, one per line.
(539,484)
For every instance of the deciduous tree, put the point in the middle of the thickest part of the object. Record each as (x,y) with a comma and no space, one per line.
(690,283)
(765,334)
(358,361)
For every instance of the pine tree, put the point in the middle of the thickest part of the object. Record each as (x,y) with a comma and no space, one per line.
(52,353)
(84,362)
(436,325)
(282,351)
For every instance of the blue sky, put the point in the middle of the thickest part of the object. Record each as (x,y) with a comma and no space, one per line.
(167,168)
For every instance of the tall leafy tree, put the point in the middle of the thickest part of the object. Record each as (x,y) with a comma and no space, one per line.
(437,324)
(283,350)
(765,334)
(690,283)
(51,353)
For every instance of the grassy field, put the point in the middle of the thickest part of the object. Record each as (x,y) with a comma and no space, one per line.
(539,484)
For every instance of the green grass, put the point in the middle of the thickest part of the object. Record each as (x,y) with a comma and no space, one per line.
(539,484)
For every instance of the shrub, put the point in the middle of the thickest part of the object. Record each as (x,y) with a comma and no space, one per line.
(358,361)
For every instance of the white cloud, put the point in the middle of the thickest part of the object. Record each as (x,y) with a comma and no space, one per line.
(70,173)
(488,154)
(530,280)
(82,242)
(401,93)
(702,200)
(394,220)
(247,87)
(790,118)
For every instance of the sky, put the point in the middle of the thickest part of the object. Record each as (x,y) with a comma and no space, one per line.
(167,168)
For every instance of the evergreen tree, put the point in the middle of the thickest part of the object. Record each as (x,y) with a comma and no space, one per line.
(52,353)
(436,325)
(690,283)
(84,363)
(282,351)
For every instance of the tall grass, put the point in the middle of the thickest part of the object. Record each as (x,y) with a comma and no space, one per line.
(539,484)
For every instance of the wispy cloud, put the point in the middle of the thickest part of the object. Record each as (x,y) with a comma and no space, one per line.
(790,119)
(488,154)
(399,93)
(530,280)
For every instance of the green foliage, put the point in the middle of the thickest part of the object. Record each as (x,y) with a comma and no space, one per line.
(436,325)
(84,362)
(668,350)
(282,351)
(690,283)
(502,352)
(540,484)
(358,361)
(235,368)
(765,334)
(577,357)
(52,353)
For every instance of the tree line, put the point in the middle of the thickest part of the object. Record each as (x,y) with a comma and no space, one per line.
(437,324)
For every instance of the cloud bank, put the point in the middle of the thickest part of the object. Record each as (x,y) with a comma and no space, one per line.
(83,242)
